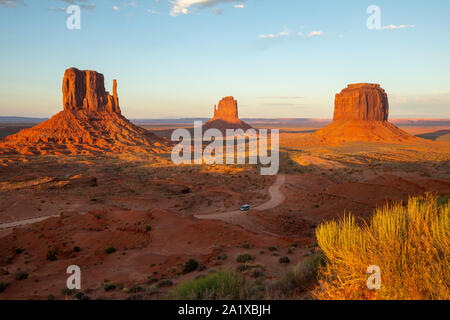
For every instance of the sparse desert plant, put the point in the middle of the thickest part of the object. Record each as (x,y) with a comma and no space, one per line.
(3,286)
(300,278)
(52,254)
(221,285)
(165,283)
(223,256)
(20,275)
(190,266)
(109,287)
(67,292)
(242,268)
(410,245)
(19,250)
(284,260)
(244,257)
(110,250)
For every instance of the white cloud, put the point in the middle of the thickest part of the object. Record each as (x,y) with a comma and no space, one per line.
(11,3)
(183,6)
(152,11)
(115,8)
(315,34)
(239,6)
(394,27)
(284,33)
(300,34)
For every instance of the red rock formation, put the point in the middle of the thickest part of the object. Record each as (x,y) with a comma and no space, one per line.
(362,101)
(90,123)
(85,90)
(226,117)
(361,113)
(227,110)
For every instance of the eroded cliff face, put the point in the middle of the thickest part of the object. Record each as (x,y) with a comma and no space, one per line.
(361,101)
(85,90)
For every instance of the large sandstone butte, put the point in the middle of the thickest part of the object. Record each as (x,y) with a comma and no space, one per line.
(85,90)
(226,117)
(362,101)
(361,114)
(91,123)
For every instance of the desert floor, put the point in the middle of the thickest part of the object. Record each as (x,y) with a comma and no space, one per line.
(57,211)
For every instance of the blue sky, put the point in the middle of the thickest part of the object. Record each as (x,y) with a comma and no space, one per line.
(278,58)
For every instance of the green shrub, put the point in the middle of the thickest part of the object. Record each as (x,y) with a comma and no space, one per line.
(67,292)
(190,266)
(52,254)
(245,257)
(109,287)
(302,277)
(222,257)
(110,250)
(284,260)
(3,286)
(21,275)
(221,285)
(242,268)
(165,283)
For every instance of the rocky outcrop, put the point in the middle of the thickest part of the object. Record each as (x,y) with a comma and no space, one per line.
(361,114)
(362,101)
(228,110)
(91,123)
(226,117)
(85,90)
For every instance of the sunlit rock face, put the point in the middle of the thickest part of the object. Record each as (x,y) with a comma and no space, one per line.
(362,101)
(226,117)
(85,90)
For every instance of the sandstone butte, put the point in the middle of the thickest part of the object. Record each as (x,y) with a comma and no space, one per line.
(226,117)
(91,123)
(361,113)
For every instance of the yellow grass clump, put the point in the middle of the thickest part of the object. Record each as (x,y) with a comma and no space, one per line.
(410,245)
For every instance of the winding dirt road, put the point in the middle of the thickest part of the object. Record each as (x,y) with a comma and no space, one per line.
(276,198)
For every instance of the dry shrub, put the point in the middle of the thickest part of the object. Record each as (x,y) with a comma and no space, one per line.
(409,243)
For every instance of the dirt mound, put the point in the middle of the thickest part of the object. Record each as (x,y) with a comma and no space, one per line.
(226,117)
(90,123)
(361,113)
(370,131)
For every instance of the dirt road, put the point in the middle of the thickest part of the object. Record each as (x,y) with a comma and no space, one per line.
(235,217)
